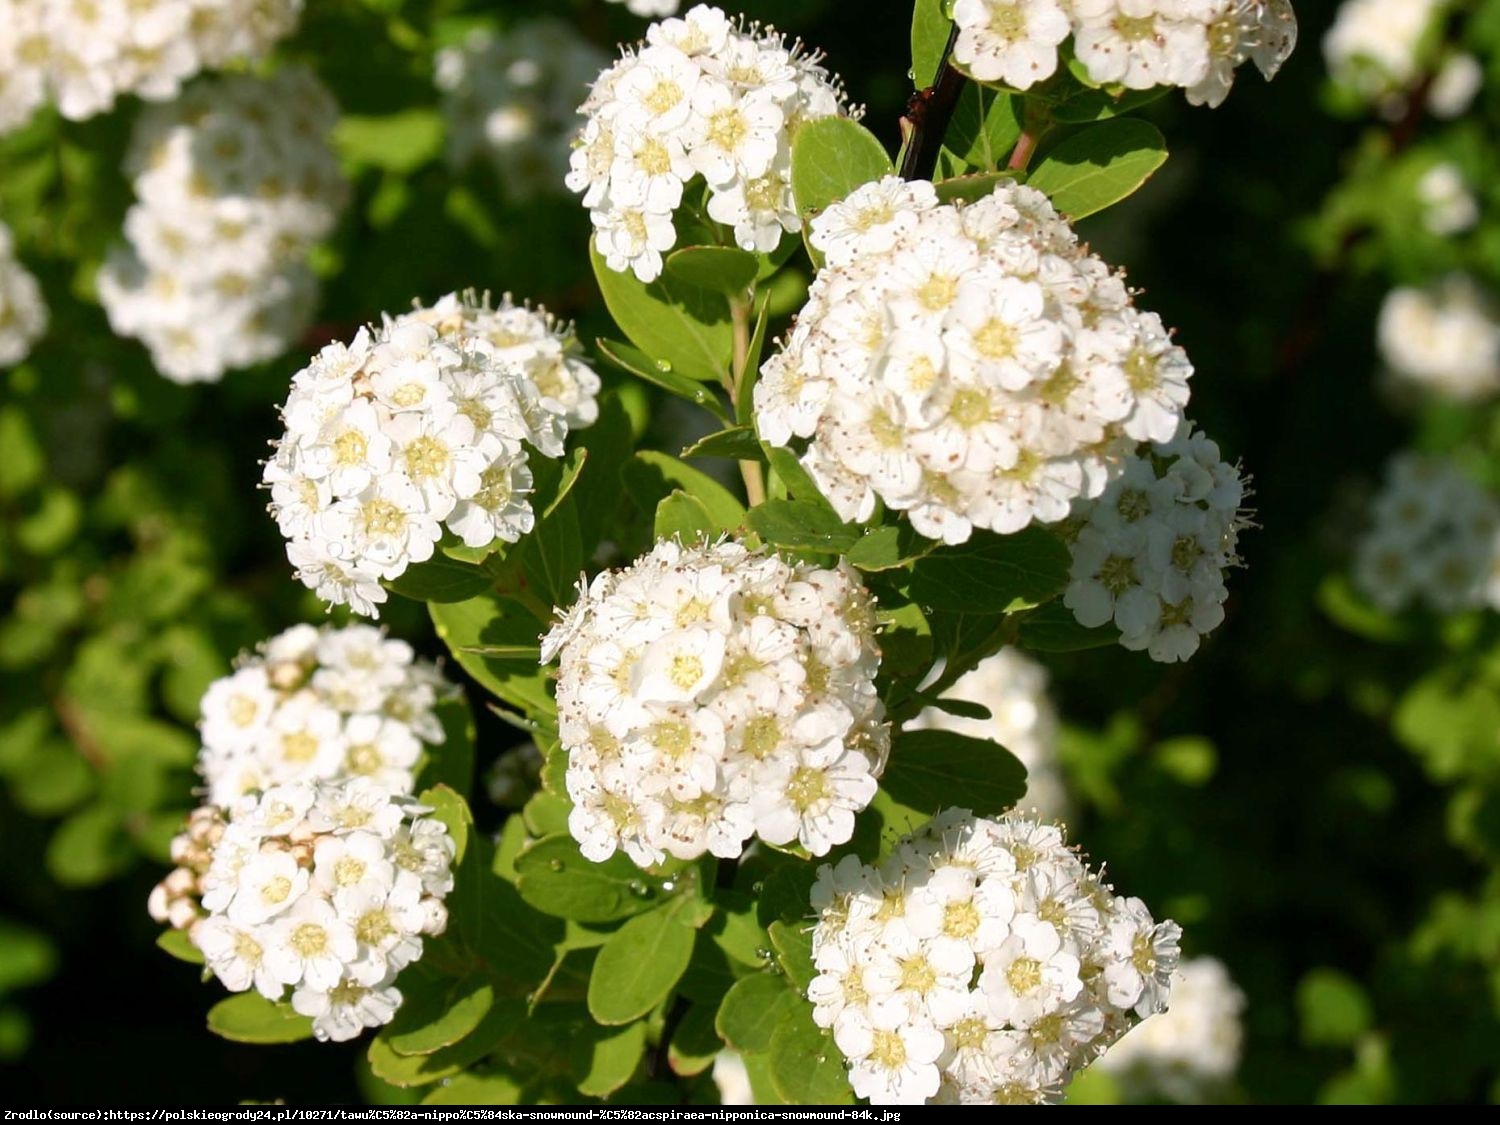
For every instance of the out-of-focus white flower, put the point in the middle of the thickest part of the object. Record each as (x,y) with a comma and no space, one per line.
(1444,338)
(1454,86)
(1448,207)
(23,312)
(1375,47)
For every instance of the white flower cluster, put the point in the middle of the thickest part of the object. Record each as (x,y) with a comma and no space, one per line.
(1138,44)
(1432,539)
(982,963)
(972,365)
(417,426)
(319,705)
(1022,719)
(1444,337)
(1448,206)
(83,54)
(510,97)
(649,9)
(708,694)
(1150,554)
(23,312)
(1376,47)
(1191,1051)
(326,888)
(234,182)
(703,96)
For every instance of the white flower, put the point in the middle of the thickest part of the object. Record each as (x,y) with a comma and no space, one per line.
(969,365)
(1374,46)
(1448,207)
(1455,86)
(23,313)
(344,1011)
(1445,337)
(311,945)
(707,694)
(703,96)
(1009,41)
(982,962)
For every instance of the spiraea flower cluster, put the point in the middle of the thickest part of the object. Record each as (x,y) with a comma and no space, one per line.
(82,56)
(973,366)
(1022,719)
(1190,1052)
(418,427)
(1137,44)
(234,184)
(23,312)
(703,96)
(1431,539)
(708,694)
(982,963)
(320,705)
(1375,47)
(1150,554)
(1443,338)
(509,98)
(326,888)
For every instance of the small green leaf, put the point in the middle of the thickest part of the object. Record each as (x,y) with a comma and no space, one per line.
(684,517)
(971,189)
(441,579)
(248,1017)
(398,142)
(1333,1009)
(931,769)
(985,127)
(388,1065)
(886,548)
(1099,166)
(1088,105)
(605,1060)
(650,476)
(802,525)
(437,1011)
(638,966)
(476,1089)
(28,957)
(720,269)
(793,944)
(738,443)
(806,1067)
(88,847)
(670,321)
(930,27)
(177,944)
(1051,627)
(992,573)
(832,156)
(695,1044)
(546,814)
(633,360)
(556,879)
(752,1010)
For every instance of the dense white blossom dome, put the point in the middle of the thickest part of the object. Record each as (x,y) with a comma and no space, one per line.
(323,888)
(707,694)
(982,963)
(83,54)
(972,366)
(23,311)
(234,182)
(320,705)
(703,96)
(1138,44)
(416,429)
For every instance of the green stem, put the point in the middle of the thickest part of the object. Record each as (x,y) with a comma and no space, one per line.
(1036,123)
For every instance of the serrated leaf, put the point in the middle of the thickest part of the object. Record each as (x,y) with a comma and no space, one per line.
(802,525)
(637,363)
(680,324)
(555,878)
(806,1066)
(639,965)
(605,1060)
(932,769)
(720,269)
(1051,627)
(248,1017)
(684,517)
(930,29)
(752,1010)
(1099,166)
(992,573)
(737,443)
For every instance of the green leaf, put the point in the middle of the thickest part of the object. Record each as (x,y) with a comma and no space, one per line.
(832,156)
(88,847)
(752,1010)
(985,127)
(451,762)
(905,641)
(605,1060)
(930,28)
(793,944)
(638,966)
(248,1017)
(684,517)
(448,807)
(507,1014)
(490,621)
(1051,627)
(554,553)
(992,573)
(720,269)
(28,957)
(441,579)
(637,363)
(670,321)
(932,769)
(695,1044)
(796,480)
(546,814)
(1099,166)
(886,548)
(738,443)
(806,1067)
(398,142)
(802,525)
(1089,105)
(556,879)
(1333,1009)
(177,944)
(437,1011)
(736,930)
(650,476)
(476,1089)
(744,404)
(971,189)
